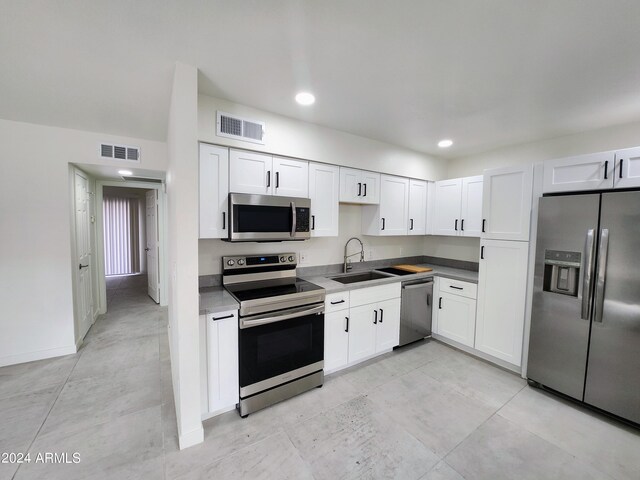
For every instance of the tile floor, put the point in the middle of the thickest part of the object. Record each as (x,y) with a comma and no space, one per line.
(424,412)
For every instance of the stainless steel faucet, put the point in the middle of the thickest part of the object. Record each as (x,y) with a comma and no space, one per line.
(346,266)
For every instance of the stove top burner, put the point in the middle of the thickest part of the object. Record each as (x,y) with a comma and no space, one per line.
(270,288)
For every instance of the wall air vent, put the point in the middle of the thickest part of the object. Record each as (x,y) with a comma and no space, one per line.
(141,179)
(120,152)
(231,126)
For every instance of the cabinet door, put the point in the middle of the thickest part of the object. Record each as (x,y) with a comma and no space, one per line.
(471,209)
(336,340)
(417,207)
(324,192)
(250,172)
(222,355)
(370,187)
(394,205)
(290,177)
(214,191)
(362,332)
(446,211)
(388,327)
(502,287)
(506,203)
(457,318)
(584,172)
(350,185)
(627,172)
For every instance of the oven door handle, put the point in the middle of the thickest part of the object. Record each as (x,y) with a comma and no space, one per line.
(256,321)
(293,223)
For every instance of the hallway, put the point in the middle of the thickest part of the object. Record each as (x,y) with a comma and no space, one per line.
(106,402)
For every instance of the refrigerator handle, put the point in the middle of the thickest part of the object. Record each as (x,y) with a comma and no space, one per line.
(602,272)
(588,272)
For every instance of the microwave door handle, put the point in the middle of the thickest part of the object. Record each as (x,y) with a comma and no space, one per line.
(293,222)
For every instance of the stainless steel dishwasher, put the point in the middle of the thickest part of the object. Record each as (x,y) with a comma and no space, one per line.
(415,310)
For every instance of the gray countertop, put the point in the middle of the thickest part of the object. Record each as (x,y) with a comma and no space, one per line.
(217,299)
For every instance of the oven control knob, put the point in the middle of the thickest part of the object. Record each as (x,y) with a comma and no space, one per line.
(290,258)
(241,261)
(231,263)
(283,259)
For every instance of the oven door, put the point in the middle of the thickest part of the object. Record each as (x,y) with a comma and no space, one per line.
(279,347)
(268,218)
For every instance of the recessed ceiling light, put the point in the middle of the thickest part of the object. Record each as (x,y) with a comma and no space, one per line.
(125,172)
(305,98)
(446,143)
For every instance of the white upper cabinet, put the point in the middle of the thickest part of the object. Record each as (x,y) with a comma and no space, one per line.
(324,192)
(502,287)
(391,216)
(250,172)
(506,203)
(359,186)
(258,173)
(214,190)
(290,177)
(627,171)
(417,207)
(471,209)
(446,209)
(457,207)
(585,172)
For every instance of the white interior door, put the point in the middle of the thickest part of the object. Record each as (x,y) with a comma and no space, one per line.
(84,297)
(153,285)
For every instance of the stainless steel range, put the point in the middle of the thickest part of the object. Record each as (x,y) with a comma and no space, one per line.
(281,322)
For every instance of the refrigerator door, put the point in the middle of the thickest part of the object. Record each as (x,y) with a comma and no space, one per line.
(561,297)
(613,369)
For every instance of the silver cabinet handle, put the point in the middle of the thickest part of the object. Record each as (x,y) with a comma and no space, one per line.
(602,272)
(588,271)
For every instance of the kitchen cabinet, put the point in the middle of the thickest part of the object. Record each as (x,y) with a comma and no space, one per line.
(417,207)
(594,171)
(360,324)
(359,186)
(502,286)
(455,311)
(259,173)
(213,191)
(506,203)
(222,361)
(457,207)
(324,192)
(391,216)
(627,171)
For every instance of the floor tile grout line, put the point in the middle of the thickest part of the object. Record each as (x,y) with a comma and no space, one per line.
(53,404)
(304,460)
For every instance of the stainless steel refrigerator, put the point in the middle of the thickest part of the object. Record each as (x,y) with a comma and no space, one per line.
(585,322)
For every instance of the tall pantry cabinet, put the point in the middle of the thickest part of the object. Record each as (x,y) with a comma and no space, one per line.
(504,253)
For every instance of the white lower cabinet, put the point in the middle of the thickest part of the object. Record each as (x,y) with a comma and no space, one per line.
(455,313)
(502,288)
(363,328)
(222,361)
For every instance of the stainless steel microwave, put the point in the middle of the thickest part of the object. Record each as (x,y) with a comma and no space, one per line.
(268,218)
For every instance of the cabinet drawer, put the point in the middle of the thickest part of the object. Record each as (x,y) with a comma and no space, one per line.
(457,287)
(363,296)
(336,301)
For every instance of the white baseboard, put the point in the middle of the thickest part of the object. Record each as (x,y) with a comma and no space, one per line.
(477,353)
(39,355)
(189,439)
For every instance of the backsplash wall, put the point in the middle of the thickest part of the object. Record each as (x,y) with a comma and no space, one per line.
(318,251)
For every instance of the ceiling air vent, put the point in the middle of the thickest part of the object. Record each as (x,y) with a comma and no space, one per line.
(232,126)
(120,152)
(141,179)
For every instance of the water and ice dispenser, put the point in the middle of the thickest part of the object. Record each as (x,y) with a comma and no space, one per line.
(561,272)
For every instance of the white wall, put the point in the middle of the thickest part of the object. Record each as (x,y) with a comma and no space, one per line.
(294,138)
(35,245)
(319,251)
(182,203)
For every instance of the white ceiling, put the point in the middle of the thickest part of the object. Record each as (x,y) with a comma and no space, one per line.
(485,73)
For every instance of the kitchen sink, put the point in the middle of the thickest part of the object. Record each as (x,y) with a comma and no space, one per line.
(395,271)
(359,277)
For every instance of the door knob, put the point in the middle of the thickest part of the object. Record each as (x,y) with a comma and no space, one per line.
(147,249)
(82,266)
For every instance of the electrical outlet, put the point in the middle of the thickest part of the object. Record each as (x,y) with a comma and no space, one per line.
(370,254)
(303,257)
